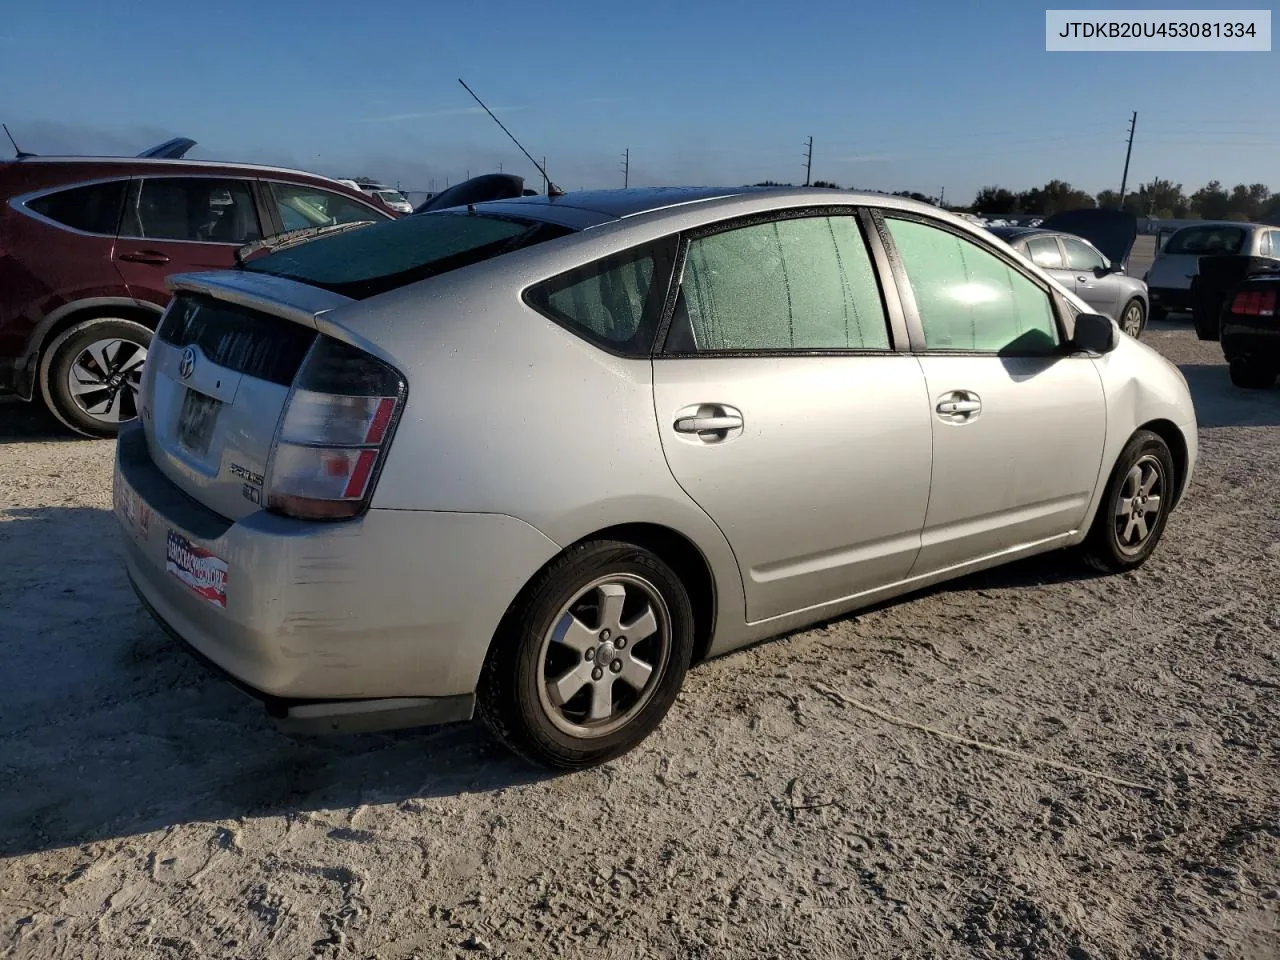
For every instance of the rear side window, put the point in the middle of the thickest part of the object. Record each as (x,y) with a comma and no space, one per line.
(366,261)
(1207,241)
(799,284)
(1044,253)
(92,209)
(610,302)
(196,209)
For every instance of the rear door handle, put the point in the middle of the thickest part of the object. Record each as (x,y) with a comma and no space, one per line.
(145,256)
(953,407)
(728,421)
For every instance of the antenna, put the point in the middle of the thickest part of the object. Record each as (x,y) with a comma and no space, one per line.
(16,149)
(552,189)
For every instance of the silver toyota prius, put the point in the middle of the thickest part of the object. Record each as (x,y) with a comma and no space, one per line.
(536,456)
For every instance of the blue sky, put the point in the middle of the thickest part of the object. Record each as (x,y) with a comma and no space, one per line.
(902,95)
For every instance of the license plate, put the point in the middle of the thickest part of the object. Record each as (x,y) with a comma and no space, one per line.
(196,421)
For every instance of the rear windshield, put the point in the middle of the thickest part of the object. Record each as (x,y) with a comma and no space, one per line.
(367,261)
(1207,240)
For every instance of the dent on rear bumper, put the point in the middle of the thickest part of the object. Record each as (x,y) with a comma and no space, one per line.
(394,604)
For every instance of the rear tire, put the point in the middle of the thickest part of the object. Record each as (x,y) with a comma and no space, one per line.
(564,685)
(1135,505)
(90,374)
(1251,375)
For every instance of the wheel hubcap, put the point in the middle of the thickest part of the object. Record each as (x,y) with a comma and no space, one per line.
(1133,320)
(602,660)
(1138,505)
(105,378)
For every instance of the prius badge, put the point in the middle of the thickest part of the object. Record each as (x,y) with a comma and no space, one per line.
(187,364)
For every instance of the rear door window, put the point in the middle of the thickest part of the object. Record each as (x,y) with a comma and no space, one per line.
(1044,252)
(94,208)
(302,206)
(194,209)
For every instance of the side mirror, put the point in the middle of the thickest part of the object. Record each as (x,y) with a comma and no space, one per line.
(1107,269)
(1094,333)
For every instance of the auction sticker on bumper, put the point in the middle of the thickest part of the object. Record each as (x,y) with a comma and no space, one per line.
(198,568)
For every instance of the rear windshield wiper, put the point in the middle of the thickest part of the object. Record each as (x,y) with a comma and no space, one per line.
(294,237)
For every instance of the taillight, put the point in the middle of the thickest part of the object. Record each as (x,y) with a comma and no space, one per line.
(334,434)
(1255,303)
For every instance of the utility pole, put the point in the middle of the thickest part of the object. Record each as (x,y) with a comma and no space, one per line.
(942,198)
(1124,180)
(545,188)
(808,162)
(499,166)
(626,168)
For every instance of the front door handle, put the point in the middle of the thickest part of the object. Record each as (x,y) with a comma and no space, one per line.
(708,424)
(145,256)
(959,406)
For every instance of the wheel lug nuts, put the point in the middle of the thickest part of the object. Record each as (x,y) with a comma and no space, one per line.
(590,654)
(604,635)
(620,643)
(616,666)
(597,674)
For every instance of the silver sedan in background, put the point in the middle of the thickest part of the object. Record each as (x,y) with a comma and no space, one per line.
(536,456)
(1096,277)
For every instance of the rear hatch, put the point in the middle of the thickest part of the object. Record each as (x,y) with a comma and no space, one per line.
(217,377)
(226,358)
(1113,232)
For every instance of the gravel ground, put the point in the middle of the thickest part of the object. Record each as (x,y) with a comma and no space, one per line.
(1028,763)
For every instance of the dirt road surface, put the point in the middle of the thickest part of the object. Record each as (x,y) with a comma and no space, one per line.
(813,797)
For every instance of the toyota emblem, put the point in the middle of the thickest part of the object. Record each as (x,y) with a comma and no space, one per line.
(187,365)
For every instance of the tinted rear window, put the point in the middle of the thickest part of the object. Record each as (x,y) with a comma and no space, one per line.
(1206,241)
(93,209)
(258,345)
(371,260)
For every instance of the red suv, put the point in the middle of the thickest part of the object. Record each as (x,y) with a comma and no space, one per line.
(86,245)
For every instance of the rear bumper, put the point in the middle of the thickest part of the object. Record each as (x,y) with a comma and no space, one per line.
(378,622)
(1170,298)
(1252,341)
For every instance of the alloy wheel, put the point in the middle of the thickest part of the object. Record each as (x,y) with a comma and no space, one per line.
(1132,322)
(1139,503)
(604,656)
(105,378)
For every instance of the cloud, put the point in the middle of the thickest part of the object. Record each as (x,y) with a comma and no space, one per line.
(427,114)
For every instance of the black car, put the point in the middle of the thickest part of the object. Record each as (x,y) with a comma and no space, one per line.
(1250,331)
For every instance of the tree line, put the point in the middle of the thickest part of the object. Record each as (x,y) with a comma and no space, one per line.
(1161,199)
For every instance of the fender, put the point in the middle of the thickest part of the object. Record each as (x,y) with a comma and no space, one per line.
(24,368)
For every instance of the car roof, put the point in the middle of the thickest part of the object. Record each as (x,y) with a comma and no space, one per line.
(143,163)
(586,208)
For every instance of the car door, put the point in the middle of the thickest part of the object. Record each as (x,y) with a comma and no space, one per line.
(1093,283)
(786,412)
(1019,421)
(178,224)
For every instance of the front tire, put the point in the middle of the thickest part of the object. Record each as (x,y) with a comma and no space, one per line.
(91,373)
(590,657)
(1251,375)
(1133,318)
(1135,505)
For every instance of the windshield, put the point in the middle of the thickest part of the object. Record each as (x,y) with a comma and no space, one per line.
(1207,240)
(390,196)
(384,256)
